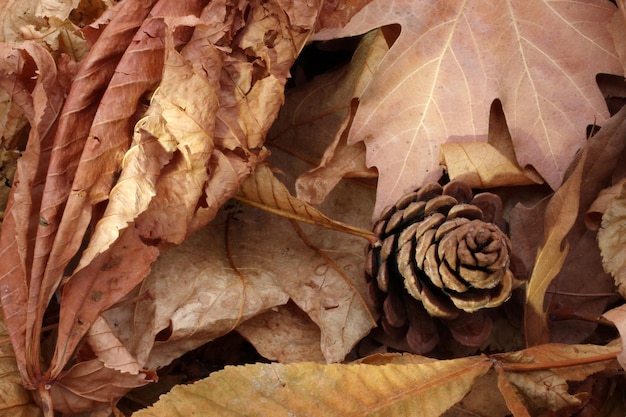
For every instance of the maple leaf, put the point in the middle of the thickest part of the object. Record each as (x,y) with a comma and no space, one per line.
(440,77)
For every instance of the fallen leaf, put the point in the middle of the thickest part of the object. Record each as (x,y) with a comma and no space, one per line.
(15,400)
(547,389)
(89,384)
(594,215)
(321,110)
(265,191)
(284,334)
(618,316)
(438,81)
(41,102)
(487,165)
(612,240)
(308,389)
(45,22)
(564,229)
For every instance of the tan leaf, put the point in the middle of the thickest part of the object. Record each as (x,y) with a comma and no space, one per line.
(195,297)
(618,317)
(284,334)
(487,165)
(612,240)
(321,110)
(566,237)
(45,22)
(512,396)
(548,388)
(439,79)
(265,191)
(308,389)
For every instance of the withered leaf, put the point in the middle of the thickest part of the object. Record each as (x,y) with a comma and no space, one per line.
(309,389)
(612,240)
(437,83)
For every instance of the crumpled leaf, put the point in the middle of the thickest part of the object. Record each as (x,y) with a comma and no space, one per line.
(221,283)
(322,109)
(548,389)
(593,220)
(437,83)
(90,384)
(308,389)
(564,229)
(612,240)
(45,22)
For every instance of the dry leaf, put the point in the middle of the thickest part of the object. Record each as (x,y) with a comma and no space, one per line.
(548,388)
(618,317)
(565,231)
(321,110)
(308,389)
(437,83)
(284,334)
(487,165)
(612,240)
(15,400)
(593,218)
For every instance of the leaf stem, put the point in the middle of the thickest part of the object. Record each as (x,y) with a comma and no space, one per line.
(332,224)
(541,366)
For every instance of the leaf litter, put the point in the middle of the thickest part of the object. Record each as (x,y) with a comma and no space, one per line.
(112,196)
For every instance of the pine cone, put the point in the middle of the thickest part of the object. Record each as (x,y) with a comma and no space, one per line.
(442,259)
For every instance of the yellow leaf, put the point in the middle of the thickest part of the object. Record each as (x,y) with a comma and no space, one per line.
(309,389)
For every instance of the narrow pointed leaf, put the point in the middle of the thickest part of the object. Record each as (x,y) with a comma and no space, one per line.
(308,389)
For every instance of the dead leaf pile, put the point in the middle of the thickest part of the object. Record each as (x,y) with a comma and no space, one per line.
(162,201)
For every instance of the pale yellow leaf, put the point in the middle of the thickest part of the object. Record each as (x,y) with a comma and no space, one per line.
(308,389)
(612,240)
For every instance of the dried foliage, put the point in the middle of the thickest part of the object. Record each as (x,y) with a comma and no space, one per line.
(156,198)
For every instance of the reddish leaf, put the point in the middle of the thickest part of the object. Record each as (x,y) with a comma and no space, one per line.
(440,77)
(41,101)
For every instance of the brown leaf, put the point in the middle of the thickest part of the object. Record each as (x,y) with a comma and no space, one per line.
(594,215)
(284,334)
(265,191)
(41,101)
(548,388)
(90,384)
(321,110)
(439,79)
(564,229)
(612,240)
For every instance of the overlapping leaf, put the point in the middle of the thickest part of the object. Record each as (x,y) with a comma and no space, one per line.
(566,236)
(437,83)
(308,389)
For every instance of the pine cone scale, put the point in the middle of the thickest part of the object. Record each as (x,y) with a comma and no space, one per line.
(442,256)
